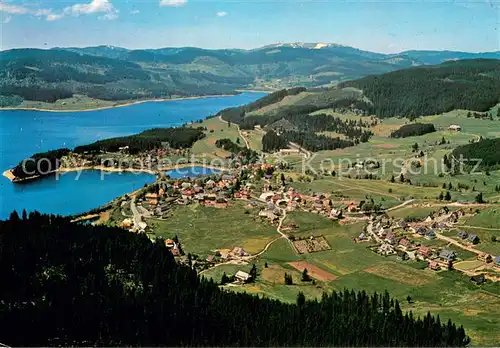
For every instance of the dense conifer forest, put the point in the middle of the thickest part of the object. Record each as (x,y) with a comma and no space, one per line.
(487,151)
(427,90)
(181,137)
(245,154)
(412,130)
(73,284)
(311,141)
(41,163)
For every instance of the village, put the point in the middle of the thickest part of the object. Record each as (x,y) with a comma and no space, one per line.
(259,187)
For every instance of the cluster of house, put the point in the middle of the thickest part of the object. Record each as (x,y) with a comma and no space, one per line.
(405,248)
(223,255)
(391,240)
(210,193)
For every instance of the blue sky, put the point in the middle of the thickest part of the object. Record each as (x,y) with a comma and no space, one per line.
(381,26)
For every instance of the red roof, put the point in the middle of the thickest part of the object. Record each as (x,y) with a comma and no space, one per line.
(404,242)
(424,250)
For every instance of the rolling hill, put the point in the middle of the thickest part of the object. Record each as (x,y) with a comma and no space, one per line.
(114,73)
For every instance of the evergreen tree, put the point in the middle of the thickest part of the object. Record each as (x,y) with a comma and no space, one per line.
(479,198)
(305,276)
(447,197)
(253,272)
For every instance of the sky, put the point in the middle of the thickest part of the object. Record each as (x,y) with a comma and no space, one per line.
(386,26)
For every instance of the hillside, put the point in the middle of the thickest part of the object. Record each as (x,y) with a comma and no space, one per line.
(486,153)
(427,90)
(114,74)
(122,289)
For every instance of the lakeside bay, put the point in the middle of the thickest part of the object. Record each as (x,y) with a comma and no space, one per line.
(23,133)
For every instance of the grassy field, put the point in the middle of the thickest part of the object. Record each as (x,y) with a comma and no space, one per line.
(449,294)
(203,229)
(216,129)
(77,102)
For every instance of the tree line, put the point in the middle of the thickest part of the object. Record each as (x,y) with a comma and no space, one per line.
(41,163)
(271,141)
(175,137)
(413,130)
(105,286)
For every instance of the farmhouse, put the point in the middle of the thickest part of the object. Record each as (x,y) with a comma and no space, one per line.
(289,151)
(430,235)
(434,266)
(425,251)
(474,239)
(242,277)
(404,243)
(485,258)
(447,255)
(454,128)
(478,279)
(462,235)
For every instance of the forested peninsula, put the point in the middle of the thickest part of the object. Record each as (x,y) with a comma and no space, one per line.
(46,163)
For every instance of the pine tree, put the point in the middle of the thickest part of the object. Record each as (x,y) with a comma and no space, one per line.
(305,275)
(447,197)
(253,272)
(479,198)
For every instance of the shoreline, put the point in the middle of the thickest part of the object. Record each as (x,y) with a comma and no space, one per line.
(24,108)
(8,173)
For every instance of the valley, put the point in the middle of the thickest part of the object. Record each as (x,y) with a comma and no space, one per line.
(315,191)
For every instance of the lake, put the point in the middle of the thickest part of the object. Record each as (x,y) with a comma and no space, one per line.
(23,133)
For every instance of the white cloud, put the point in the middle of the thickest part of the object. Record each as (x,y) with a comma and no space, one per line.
(221,14)
(54,17)
(22,10)
(12,9)
(173,3)
(95,6)
(7,19)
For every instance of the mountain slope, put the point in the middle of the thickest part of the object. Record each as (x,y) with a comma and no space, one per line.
(114,73)
(427,90)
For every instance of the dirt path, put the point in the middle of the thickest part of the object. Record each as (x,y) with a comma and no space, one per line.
(268,245)
(480,228)
(247,144)
(400,205)
(460,245)
(367,190)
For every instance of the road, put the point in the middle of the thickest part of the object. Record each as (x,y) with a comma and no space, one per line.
(137,215)
(307,153)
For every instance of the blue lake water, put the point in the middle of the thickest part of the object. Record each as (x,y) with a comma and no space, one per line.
(23,133)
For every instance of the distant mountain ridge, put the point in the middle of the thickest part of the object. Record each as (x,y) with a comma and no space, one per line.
(115,73)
